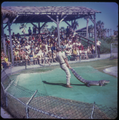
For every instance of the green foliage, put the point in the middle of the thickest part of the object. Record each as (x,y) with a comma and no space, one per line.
(105,46)
(109,39)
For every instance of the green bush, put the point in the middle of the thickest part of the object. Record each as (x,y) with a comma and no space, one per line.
(105,46)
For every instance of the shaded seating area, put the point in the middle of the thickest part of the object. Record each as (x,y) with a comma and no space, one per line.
(36,15)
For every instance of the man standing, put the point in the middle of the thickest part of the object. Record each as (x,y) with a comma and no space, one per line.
(61,58)
(98,48)
(29,31)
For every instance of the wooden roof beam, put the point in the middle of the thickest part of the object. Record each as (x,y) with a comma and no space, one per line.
(52,19)
(63,18)
(67,23)
(34,25)
(91,18)
(43,25)
(5,26)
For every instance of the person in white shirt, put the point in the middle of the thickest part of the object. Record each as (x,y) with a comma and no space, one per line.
(61,58)
(27,46)
(86,53)
(69,45)
(45,57)
(79,44)
(27,58)
(46,47)
(98,48)
(81,52)
(89,50)
(28,51)
(40,56)
(78,53)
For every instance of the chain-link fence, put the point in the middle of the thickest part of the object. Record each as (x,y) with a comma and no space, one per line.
(114,50)
(24,103)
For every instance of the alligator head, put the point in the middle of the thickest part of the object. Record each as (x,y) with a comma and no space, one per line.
(102,82)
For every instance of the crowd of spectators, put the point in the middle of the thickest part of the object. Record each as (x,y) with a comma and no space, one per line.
(41,48)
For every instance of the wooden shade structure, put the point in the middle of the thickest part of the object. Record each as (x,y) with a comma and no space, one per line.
(39,14)
(57,14)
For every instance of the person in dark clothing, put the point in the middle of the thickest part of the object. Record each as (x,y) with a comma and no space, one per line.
(34,30)
(67,31)
(29,31)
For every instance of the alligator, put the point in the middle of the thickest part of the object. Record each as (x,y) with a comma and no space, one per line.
(87,82)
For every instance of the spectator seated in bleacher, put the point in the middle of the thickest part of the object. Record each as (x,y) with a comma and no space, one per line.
(45,57)
(3,63)
(35,58)
(40,56)
(31,58)
(16,54)
(75,53)
(22,54)
(85,53)
(6,60)
(54,56)
(68,52)
(37,43)
(81,53)
(26,58)
(93,49)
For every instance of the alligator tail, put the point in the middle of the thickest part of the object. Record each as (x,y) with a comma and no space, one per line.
(77,76)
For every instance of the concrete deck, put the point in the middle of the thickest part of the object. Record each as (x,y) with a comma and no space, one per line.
(19,68)
(5,114)
(112,71)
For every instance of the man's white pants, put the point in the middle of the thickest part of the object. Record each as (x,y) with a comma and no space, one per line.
(65,68)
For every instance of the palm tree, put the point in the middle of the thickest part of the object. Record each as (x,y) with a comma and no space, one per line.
(103,33)
(52,28)
(44,29)
(108,32)
(22,27)
(100,27)
(115,32)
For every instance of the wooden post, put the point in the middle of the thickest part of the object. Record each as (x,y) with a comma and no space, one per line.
(87,28)
(95,35)
(9,29)
(3,39)
(58,32)
(8,54)
(39,27)
(34,25)
(68,24)
(63,18)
